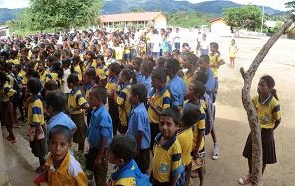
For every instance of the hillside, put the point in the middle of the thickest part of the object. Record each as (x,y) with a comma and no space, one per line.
(169,6)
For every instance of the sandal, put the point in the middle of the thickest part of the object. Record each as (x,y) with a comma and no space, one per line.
(40,169)
(245,180)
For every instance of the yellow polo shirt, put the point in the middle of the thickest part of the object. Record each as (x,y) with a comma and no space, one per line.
(214,60)
(75,100)
(69,173)
(161,100)
(167,160)
(77,69)
(124,107)
(268,112)
(6,92)
(35,112)
(185,138)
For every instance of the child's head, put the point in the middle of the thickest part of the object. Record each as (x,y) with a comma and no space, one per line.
(114,69)
(214,47)
(100,60)
(233,41)
(89,76)
(126,76)
(195,90)
(136,63)
(138,94)
(159,78)
(60,139)
(146,68)
(73,80)
(266,86)
(202,76)
(51,85)
(66,63)
(34,86)
(169,122)
(190,116)
(160,62)
(189,60)
(204,62)
(55,101)
(121,150)
(97,96)
(171,67)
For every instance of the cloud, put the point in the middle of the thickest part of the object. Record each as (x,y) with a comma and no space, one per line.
(14,3)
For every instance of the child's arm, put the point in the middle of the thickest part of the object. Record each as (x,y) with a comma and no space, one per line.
(198,143)
(101,152)
(138,140)
(277,122)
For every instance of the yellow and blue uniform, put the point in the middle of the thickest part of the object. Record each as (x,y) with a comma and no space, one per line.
(76,100)
(167,160)
(124,107)
(69,173)
(102,70)
(119,52)
(268,112)
(185,138)
(161,100)
(200,125)
(118,178)
(77,69)
(214,60)
(112,83)
(51,76)
(87,90)
(35,112)
(6,92)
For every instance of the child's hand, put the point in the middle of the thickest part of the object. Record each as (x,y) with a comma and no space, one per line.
(195,154)
(149,102)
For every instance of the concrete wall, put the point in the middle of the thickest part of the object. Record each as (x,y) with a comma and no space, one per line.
(160,21)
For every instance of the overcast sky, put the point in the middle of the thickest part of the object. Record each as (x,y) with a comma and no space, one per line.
(277,4)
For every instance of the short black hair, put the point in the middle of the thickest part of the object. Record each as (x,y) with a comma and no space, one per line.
(202,76)
(206,58)
(100,93)
(140,91)
(137,60)
(91,73)
(123,147)
(159,74)
(56,99)
(172,113)
(190,57)
(191,115)
(115,67)
(61,129)
(51,85)
(34,85)
(199,87)
(148,66)
(73,78)
(172,65)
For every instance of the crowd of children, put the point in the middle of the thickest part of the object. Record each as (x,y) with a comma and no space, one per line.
(141,109)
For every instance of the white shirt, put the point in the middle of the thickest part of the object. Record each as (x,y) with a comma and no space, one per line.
(156,40)
(65,87)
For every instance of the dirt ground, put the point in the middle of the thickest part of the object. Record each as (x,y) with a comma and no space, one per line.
(231,123)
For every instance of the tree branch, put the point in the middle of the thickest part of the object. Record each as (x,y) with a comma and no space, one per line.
(249,107)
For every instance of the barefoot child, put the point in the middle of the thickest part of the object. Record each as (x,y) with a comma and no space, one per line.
(269,117)
(62,168)
(167,167)
(233,49)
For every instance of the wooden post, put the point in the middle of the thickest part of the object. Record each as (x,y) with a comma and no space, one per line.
(249,107)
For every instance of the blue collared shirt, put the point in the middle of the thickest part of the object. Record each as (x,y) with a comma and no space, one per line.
(177,89)
(100,126)
(60,119)
(139,121)
(146,81)
(211,83)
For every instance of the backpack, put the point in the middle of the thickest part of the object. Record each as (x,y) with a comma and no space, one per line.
(210,112)
(141,179)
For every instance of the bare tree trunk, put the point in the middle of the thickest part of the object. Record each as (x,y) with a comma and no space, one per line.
(249,107)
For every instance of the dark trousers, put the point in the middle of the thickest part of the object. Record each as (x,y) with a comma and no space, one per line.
(143,160)
(154,132)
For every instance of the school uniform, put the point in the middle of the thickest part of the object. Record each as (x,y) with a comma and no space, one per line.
(211,84)
(75,100)
(139,122)
(214,60)
(185,138)
(177,89)
(100,126)
(77,69)
(268,112)
(36,120)
(102,70)
(113,108)
(124,107)
(69,173)
(167,162)
(160,101)
(116,179)
(146,81)
(7,116)
(60,119)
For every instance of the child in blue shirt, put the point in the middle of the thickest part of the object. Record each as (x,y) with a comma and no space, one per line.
(139,126)
(99,134)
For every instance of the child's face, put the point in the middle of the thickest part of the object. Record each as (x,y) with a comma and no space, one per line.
(190,93)
(157,84)
(86,78)
(70,85)
(262,89)
(213,48)
(135,66)
(133,99)
(93,101)
(203,64)
(143,70)
(167,127)
(59,147)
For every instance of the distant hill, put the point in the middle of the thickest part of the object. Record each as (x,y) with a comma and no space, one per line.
(119,6)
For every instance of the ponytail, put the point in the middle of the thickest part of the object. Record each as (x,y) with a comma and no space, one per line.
(274,93)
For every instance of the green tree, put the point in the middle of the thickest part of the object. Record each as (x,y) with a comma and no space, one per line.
(243,17)
(187,19)
(63,13)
